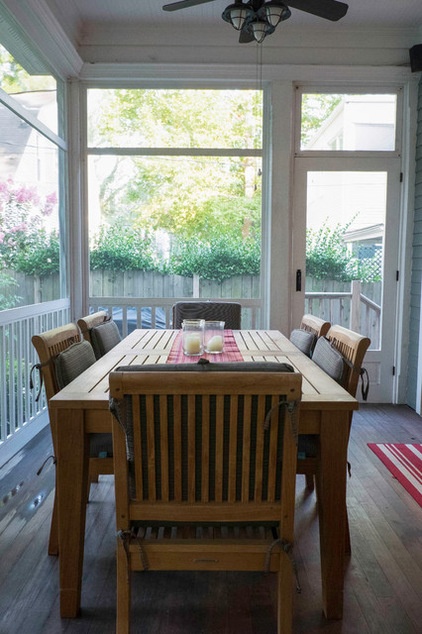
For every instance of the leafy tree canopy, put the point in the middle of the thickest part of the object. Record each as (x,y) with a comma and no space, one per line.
(316,108)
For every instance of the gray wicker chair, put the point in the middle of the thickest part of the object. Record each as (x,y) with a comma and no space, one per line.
(229,312)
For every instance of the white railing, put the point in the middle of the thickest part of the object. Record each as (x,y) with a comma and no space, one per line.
(18,406)
(350,309)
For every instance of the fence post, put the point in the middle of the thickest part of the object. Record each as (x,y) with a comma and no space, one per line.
(195,289)
(355,308)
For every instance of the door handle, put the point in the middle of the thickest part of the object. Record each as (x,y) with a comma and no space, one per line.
(298,280)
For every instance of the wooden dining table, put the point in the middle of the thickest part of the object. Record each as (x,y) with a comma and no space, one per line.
(82,408)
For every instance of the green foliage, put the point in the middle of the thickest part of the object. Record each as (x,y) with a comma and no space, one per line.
(218,259)
(15,79)
(6,299)
(122,248)
(316,108)
(174,192)
(40,254)
(328,258)
(25,244)
(176,118)
(326,253)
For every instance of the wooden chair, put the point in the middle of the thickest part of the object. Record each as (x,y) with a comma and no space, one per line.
(316,325)
(205,467)
(101,331)
(229,312)
(49,345)
(352,347)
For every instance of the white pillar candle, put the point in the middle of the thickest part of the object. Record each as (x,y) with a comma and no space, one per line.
(215,344)
(192,344)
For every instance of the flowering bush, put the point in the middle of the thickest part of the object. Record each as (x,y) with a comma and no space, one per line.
(24,231)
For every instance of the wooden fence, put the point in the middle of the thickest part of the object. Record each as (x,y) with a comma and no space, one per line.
(355,305)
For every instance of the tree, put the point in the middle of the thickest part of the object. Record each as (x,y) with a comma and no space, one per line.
(25,243)
(183,192)
(316,108)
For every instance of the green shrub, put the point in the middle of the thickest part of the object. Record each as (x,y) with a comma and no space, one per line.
(39,254)
(219,259)
(327,256)
(121,248)
(7,300)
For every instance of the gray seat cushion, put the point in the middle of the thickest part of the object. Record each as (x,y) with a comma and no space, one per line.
(304,340)
(104,337)
(73,361)
(69,364)
(328,359)
(204,365)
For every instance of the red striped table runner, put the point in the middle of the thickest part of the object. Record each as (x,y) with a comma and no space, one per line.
(231,351)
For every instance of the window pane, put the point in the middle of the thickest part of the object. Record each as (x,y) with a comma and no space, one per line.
(35,93)
(175,118)
(345,249)
(29,223)
(164,214)
(336,122)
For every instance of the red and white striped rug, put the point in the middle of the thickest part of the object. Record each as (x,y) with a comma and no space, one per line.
(405,463)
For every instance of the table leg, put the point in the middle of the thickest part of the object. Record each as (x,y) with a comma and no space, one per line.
(72,483)
(331,492)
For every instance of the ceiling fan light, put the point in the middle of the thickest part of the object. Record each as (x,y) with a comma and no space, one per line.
(260,29)
(237,14)
(275,12)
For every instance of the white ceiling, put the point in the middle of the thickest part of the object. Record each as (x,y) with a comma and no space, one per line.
(81,17)
(84,37)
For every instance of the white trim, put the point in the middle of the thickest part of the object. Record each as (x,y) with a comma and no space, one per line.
(236,74)
(32,310)
(45,33)
(407,211)
(24,114)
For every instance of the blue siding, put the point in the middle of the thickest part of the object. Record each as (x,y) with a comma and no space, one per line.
(415,295)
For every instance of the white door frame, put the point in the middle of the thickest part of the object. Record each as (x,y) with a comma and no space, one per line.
(380,363)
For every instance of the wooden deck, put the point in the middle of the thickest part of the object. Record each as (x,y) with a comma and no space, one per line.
(383,587)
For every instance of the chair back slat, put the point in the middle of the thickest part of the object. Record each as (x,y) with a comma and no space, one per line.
(246,448)
(191,440)
(164,448)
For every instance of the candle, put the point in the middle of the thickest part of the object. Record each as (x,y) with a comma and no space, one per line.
(192,344)
(215,344)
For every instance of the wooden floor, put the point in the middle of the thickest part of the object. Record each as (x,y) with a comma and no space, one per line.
(383,586)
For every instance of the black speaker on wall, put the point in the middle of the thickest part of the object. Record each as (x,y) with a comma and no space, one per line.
(416,58)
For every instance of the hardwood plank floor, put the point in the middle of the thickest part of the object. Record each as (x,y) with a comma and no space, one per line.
(383,578)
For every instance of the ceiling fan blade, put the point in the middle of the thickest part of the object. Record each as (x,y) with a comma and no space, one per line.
(184,4)
(328,9)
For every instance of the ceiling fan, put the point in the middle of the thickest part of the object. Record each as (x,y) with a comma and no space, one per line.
(256,19)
